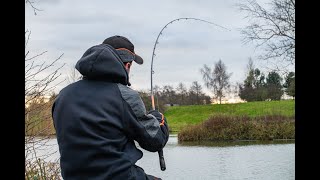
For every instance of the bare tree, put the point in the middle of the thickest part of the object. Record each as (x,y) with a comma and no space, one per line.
(182,92)
(168,94)
(217,79)
(272,30)
(250,66)
(38,78)
(41,78)
(197,90)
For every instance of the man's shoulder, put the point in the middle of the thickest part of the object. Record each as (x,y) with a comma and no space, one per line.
(127,91)
(133,99)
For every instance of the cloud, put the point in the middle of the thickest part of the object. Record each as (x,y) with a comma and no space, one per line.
(72,26)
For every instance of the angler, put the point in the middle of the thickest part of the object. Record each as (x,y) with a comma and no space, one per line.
(98,118)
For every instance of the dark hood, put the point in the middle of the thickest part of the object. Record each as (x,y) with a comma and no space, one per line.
(101,62)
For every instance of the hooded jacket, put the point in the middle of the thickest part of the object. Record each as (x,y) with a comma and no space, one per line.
(97,119)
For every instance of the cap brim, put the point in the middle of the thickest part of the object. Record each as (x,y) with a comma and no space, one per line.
(138,59)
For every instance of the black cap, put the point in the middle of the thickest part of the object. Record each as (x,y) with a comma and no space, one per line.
(120,42)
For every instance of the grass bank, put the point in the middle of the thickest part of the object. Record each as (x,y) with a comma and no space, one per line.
(180,117)
(231,127)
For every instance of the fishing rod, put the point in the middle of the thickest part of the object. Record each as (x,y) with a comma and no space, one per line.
(161,157)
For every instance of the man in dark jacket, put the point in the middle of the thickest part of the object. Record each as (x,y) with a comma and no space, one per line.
(97,119)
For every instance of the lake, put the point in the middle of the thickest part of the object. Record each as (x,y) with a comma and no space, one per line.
(212,160)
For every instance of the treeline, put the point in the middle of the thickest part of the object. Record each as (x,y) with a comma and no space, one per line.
(168,95)
(38,121)
(258,87)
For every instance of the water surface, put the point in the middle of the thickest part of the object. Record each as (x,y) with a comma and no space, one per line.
(217,160)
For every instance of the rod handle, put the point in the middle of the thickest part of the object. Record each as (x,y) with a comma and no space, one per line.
(161,159)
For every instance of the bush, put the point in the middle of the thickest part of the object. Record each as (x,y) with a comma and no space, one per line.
(41,170)
(226,127)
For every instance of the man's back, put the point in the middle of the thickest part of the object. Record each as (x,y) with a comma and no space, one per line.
(90,131)
(98,118)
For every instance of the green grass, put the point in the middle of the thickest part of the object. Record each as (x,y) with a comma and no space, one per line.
(179,117)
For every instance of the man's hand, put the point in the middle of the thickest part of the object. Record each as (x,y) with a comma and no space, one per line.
(162,120)
(160,117)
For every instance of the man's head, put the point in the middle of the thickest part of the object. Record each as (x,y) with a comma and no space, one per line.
(125,49)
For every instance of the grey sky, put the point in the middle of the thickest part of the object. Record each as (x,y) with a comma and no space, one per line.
(73,26)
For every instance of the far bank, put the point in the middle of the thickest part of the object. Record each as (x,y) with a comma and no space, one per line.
(261,120)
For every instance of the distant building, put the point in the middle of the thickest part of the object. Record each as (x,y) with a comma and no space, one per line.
(171,104)
(286,97)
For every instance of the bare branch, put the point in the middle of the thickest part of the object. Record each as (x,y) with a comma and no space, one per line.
(35,55)
(33,7)
(40,79)
(272,30)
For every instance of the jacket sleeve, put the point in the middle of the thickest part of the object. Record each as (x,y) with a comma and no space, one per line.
(140,126)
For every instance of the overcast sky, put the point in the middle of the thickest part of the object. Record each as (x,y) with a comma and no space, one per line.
(73,26)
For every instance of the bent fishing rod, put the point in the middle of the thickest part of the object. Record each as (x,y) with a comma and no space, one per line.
(160,152)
